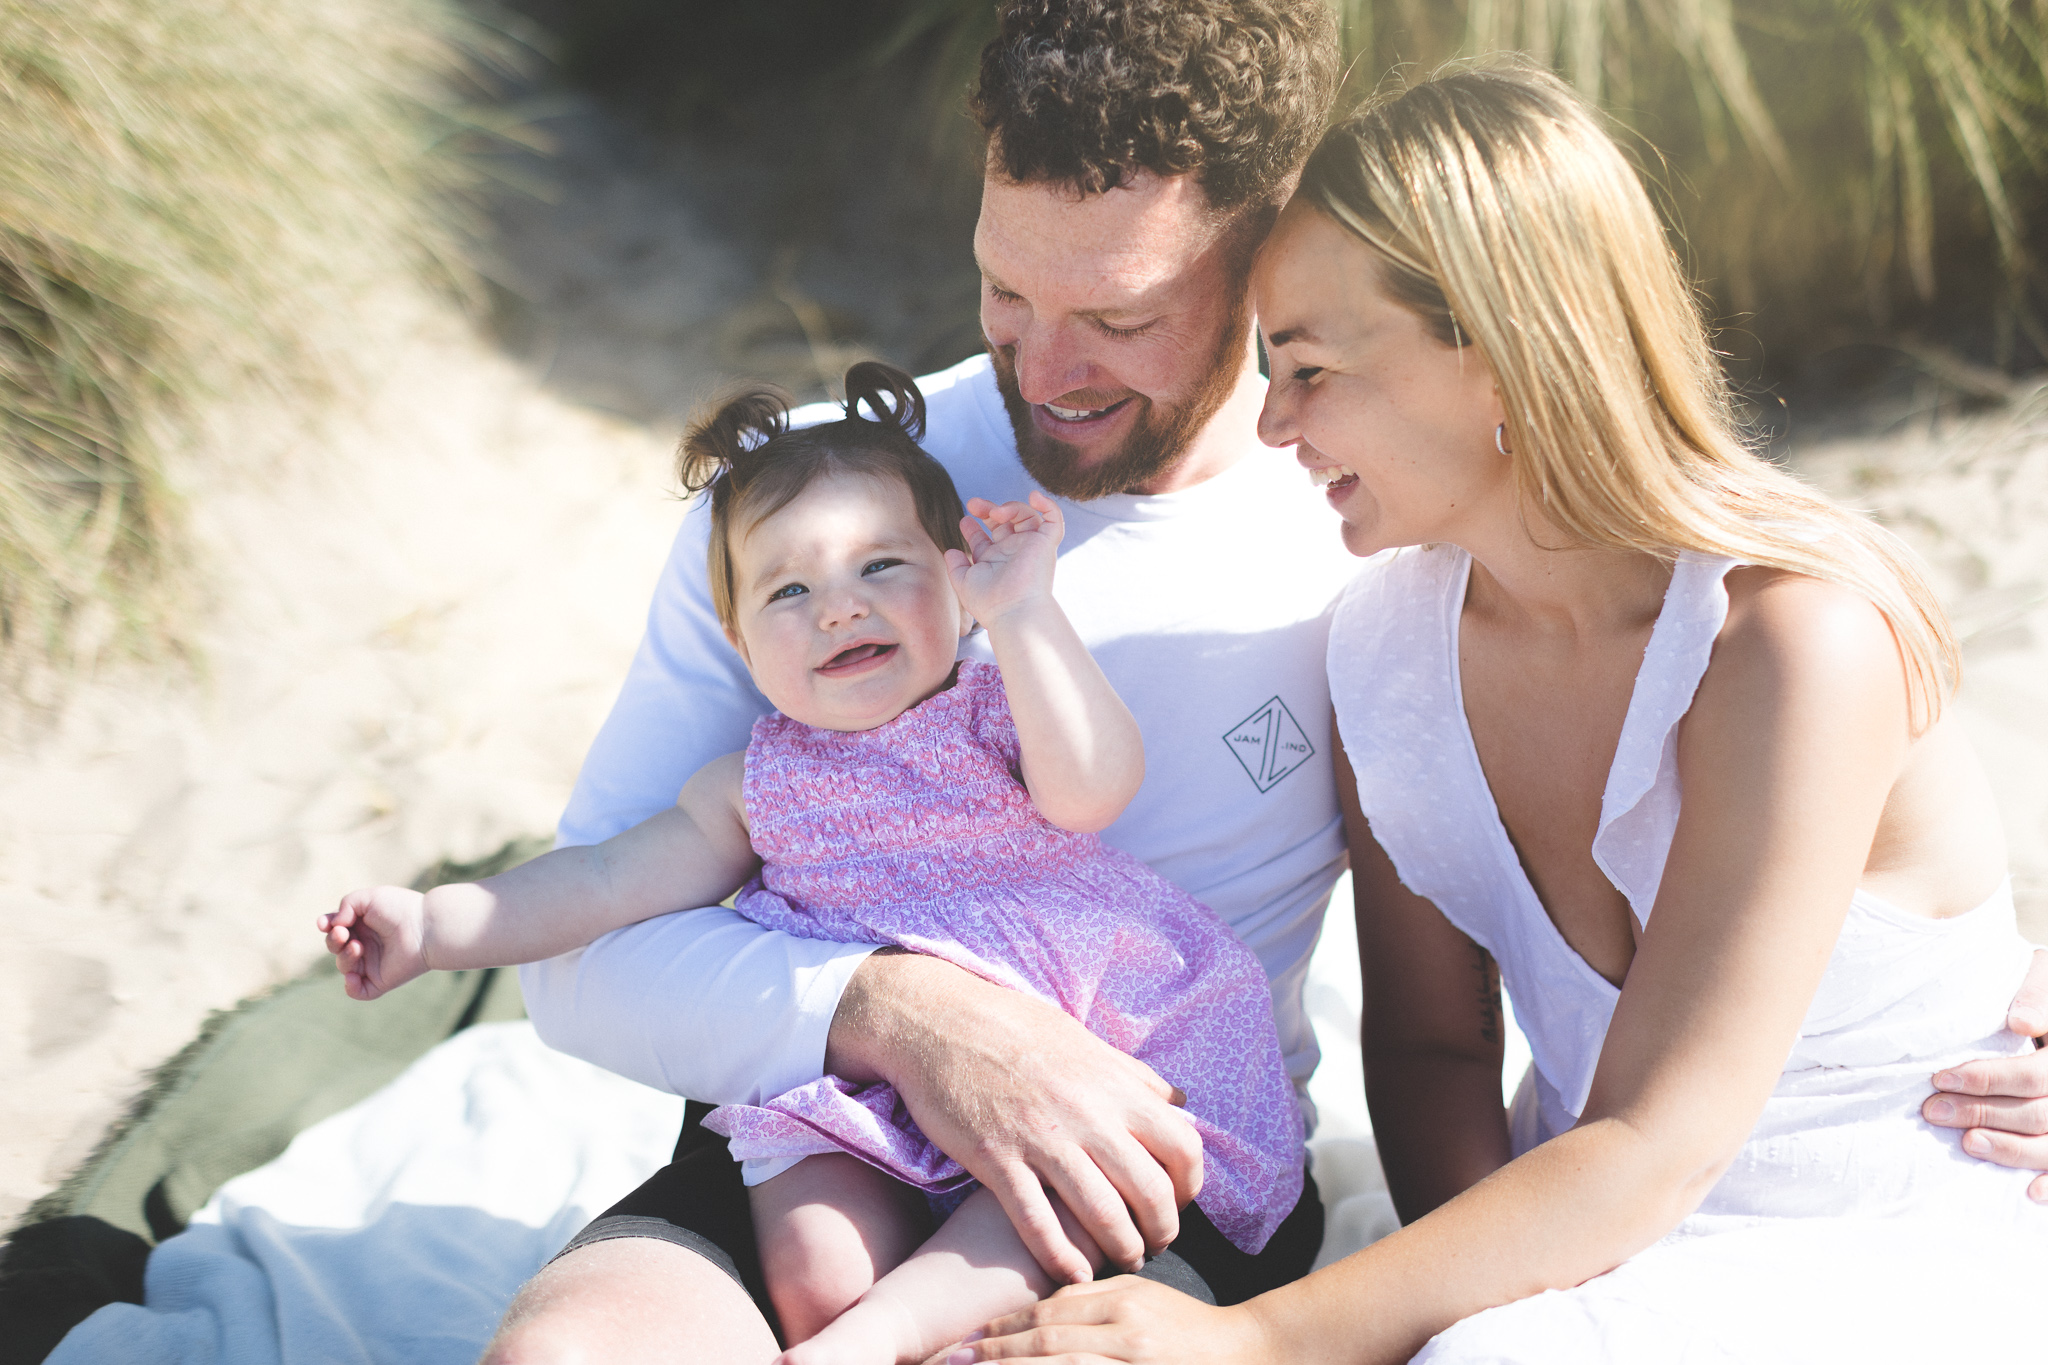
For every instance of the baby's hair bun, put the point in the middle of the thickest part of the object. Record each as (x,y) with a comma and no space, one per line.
(890,394)
(737,422)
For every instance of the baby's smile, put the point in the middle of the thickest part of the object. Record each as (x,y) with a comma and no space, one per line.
(855,657)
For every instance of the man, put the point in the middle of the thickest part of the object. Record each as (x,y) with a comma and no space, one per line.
(1138,152)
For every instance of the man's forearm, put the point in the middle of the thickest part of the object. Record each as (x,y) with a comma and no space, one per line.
(704,1004)
(892,1004)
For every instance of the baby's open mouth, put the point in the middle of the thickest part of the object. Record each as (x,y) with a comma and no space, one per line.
(858,654)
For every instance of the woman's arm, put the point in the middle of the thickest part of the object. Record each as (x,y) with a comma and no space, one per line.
(1431,1030)
(695,853)
(1083,759)
(1790,749)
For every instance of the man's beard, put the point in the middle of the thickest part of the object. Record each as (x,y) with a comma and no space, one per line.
(1158,439)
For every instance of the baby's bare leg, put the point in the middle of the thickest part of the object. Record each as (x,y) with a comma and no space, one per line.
(829,1227)
(974,1269)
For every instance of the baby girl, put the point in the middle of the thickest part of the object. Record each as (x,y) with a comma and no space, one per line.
(898,796)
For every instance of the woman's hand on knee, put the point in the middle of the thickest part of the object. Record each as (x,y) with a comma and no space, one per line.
(1127,1320)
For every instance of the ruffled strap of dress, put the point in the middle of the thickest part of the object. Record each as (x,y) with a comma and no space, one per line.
(1639,808)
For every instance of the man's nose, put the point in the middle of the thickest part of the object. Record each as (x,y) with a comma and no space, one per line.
(1051,361)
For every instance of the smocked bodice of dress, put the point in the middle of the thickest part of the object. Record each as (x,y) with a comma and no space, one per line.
(919,833)
(845,819)
(1900,992)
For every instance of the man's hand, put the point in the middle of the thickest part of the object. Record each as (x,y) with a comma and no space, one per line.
(1025,1098)
(2004,1104)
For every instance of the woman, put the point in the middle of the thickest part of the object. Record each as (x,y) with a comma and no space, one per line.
(1484,351)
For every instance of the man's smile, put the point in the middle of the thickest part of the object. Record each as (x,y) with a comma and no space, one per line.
(1079,414)
(1086,423)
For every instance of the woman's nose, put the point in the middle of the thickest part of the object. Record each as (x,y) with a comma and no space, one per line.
(1277,424)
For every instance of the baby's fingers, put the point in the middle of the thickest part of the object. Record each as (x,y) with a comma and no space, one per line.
(1013,518)
(1051,520)
(976,536)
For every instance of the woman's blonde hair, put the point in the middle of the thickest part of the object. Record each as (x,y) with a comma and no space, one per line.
(1504,215)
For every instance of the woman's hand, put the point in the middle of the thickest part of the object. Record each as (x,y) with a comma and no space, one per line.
(1124,1319)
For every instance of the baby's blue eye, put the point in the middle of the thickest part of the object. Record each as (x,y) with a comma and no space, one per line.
(787,590)
(877,565)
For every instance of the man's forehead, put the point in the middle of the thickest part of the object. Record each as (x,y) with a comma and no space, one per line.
(1135,238)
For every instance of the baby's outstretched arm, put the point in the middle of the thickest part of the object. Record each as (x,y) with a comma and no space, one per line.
(694,853)
(1082,755)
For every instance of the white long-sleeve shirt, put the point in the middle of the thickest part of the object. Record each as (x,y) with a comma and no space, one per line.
(1207,608)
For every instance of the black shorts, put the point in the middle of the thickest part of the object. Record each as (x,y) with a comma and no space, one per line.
(698,1201)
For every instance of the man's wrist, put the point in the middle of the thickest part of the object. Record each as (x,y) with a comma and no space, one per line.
(891,1002)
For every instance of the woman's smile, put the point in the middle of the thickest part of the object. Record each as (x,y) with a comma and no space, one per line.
(1394,426)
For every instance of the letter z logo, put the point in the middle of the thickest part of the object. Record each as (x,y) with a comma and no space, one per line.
(1269,743)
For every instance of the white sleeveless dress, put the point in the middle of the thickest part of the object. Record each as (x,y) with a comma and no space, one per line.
(1848,1228)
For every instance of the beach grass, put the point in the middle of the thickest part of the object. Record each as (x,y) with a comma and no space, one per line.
(1832,169)
(195,197)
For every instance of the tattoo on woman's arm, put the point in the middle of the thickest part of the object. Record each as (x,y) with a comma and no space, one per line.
(1489,994)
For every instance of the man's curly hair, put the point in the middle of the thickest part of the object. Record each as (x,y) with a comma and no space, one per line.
(1084,92)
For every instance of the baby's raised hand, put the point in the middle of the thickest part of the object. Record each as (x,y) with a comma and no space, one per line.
(1009,562)
(378,938)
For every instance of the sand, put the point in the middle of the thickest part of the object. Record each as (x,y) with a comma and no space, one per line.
(423,604)
(1970,493)
(422,613)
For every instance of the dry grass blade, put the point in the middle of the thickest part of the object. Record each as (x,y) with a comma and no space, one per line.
(194,197)
(1836,164)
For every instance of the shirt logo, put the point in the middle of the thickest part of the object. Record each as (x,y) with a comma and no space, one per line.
(1269,743)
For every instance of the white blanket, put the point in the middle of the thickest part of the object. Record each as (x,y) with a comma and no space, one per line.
(398,1230)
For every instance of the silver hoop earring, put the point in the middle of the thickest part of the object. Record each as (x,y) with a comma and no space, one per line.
(1500,441)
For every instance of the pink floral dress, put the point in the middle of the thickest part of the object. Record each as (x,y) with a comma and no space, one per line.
(919,833)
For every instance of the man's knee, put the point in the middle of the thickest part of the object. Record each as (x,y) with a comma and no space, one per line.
(631,1299)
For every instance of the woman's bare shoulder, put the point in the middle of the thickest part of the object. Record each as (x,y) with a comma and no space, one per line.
(1795,627)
